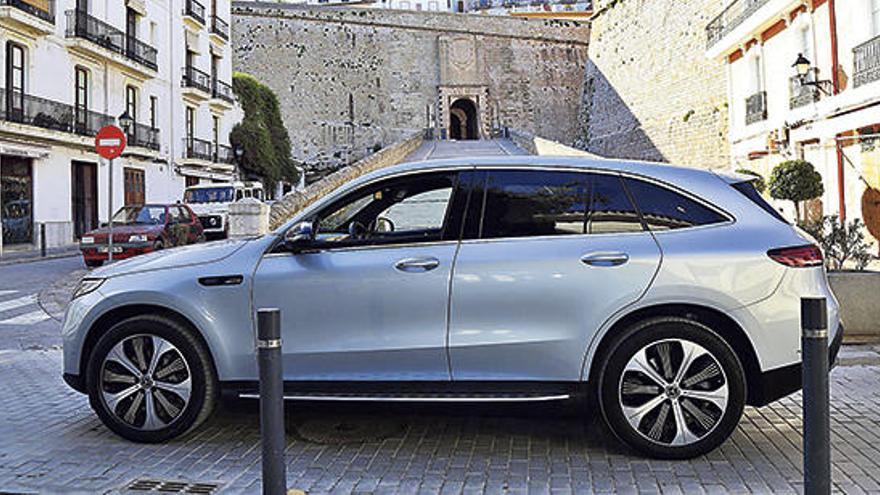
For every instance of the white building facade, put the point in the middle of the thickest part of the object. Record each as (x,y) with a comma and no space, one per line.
(72,66)
(829,117)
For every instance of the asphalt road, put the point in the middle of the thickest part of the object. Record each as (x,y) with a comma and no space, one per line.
(24,323)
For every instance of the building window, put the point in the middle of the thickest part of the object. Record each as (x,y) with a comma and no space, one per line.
(154,112)
(131,102)
(216,136)
(191,181)
(15,76)
(875,16)
(190,128)
(81,97)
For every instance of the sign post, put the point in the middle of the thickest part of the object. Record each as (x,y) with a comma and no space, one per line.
(109,143)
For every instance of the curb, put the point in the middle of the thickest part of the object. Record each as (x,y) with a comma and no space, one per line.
(32,259)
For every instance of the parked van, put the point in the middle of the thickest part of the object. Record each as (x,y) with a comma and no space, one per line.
(211,202)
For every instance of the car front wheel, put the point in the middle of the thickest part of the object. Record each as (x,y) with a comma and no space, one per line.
(150,379)
(672,388)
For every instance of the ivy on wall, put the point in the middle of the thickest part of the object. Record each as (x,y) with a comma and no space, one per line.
(261,134)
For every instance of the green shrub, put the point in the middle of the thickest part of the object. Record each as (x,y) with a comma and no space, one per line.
(261,134)
(795,181)
(840,243)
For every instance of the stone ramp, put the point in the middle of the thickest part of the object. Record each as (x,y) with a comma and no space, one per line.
(435,150)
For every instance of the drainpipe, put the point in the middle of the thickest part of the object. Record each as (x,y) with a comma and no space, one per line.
(835,83)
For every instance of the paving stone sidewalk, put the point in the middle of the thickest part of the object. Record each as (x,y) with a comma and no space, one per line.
(50,442)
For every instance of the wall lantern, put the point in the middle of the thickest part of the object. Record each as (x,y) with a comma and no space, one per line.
(803,67)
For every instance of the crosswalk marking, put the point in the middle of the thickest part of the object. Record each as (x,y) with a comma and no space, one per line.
(27,318)
(32,315)
(18,303)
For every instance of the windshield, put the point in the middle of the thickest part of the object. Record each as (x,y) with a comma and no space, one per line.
(208,195)
(140,215)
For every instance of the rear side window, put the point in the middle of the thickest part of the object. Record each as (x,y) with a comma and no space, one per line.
(748,190)
(527,203)
(664,209)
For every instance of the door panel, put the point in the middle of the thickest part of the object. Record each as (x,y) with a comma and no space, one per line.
(549,256)
(351,315)
(525,309)
(84,197)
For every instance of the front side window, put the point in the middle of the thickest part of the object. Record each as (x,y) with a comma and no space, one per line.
(208,194)
(407,209)
(664,209)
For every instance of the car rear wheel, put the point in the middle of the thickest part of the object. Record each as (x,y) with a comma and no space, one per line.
(94,263)
(671,388)
(149,379)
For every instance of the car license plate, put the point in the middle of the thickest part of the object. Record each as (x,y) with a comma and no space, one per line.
(103,249)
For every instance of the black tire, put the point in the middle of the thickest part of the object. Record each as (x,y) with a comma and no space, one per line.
(94,263)
(158,245)
(613,391)
(198,366)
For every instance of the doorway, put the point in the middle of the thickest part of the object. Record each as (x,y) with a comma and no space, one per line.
(84,197)
(16,200)
(463,120)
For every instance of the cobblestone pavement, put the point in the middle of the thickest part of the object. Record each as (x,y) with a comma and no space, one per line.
(50,442)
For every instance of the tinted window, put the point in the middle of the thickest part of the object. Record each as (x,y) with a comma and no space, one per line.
(528,203)
(610,210)
(748,190)
(664,209)
(183,215)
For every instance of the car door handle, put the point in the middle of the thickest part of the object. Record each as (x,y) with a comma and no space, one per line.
(417,264)
(605,259)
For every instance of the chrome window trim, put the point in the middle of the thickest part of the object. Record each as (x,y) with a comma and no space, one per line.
(364,248)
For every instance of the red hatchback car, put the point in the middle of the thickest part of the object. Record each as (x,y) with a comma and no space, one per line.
(141,229)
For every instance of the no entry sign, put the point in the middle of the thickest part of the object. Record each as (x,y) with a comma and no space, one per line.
(109,142)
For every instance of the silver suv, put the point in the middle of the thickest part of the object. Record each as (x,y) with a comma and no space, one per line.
(669,296)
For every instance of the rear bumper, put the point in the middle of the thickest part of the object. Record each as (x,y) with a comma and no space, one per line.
(776,384)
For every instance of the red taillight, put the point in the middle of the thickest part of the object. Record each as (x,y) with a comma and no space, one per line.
(798,256)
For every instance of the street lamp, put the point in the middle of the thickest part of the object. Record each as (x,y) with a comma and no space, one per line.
(125,121)
(803,67)
(238,151)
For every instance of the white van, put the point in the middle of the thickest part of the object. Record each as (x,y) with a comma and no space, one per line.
(210,202)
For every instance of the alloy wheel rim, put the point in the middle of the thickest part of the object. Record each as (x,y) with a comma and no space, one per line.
(145,382)
(673,392)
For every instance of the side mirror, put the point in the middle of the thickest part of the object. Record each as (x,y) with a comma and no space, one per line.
(300,234)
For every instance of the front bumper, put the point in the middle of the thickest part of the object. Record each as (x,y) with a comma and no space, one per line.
(776,384)
(120,251)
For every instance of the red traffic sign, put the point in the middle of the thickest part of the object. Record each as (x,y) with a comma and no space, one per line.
(109,142)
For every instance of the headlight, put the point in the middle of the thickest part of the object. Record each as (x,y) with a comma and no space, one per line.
(87,286)
(87,240)
(138,238)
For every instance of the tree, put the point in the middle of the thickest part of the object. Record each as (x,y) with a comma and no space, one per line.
(759,183)
(796,181)
(840,242)
(261,135)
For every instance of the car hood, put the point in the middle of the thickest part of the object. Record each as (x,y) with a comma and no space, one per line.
(195,254)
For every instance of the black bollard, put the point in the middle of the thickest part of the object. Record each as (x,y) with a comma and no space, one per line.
(271,400)
(817,425)
(43,240)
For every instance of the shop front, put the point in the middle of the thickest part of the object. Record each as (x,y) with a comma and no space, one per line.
(16,199)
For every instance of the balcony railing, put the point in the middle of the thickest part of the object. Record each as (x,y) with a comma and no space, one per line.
(194,78)
(756,108)
(223,91)
(198,149)
(730,18)
(195,10)
(224,154)
(866,62)
(82,25)
(803,94)
(143,136)
(26,109)
(43,9)
(220,27)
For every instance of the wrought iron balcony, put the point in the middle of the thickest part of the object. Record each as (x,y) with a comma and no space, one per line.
(730,18)
(143,136)
(224,154)
(194,9)
(756,107)
(194,78)
(43,9)
(82,25)
(26,109)
(223,91)
(866,62)
(220,27)
(198,149)
(803,94)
